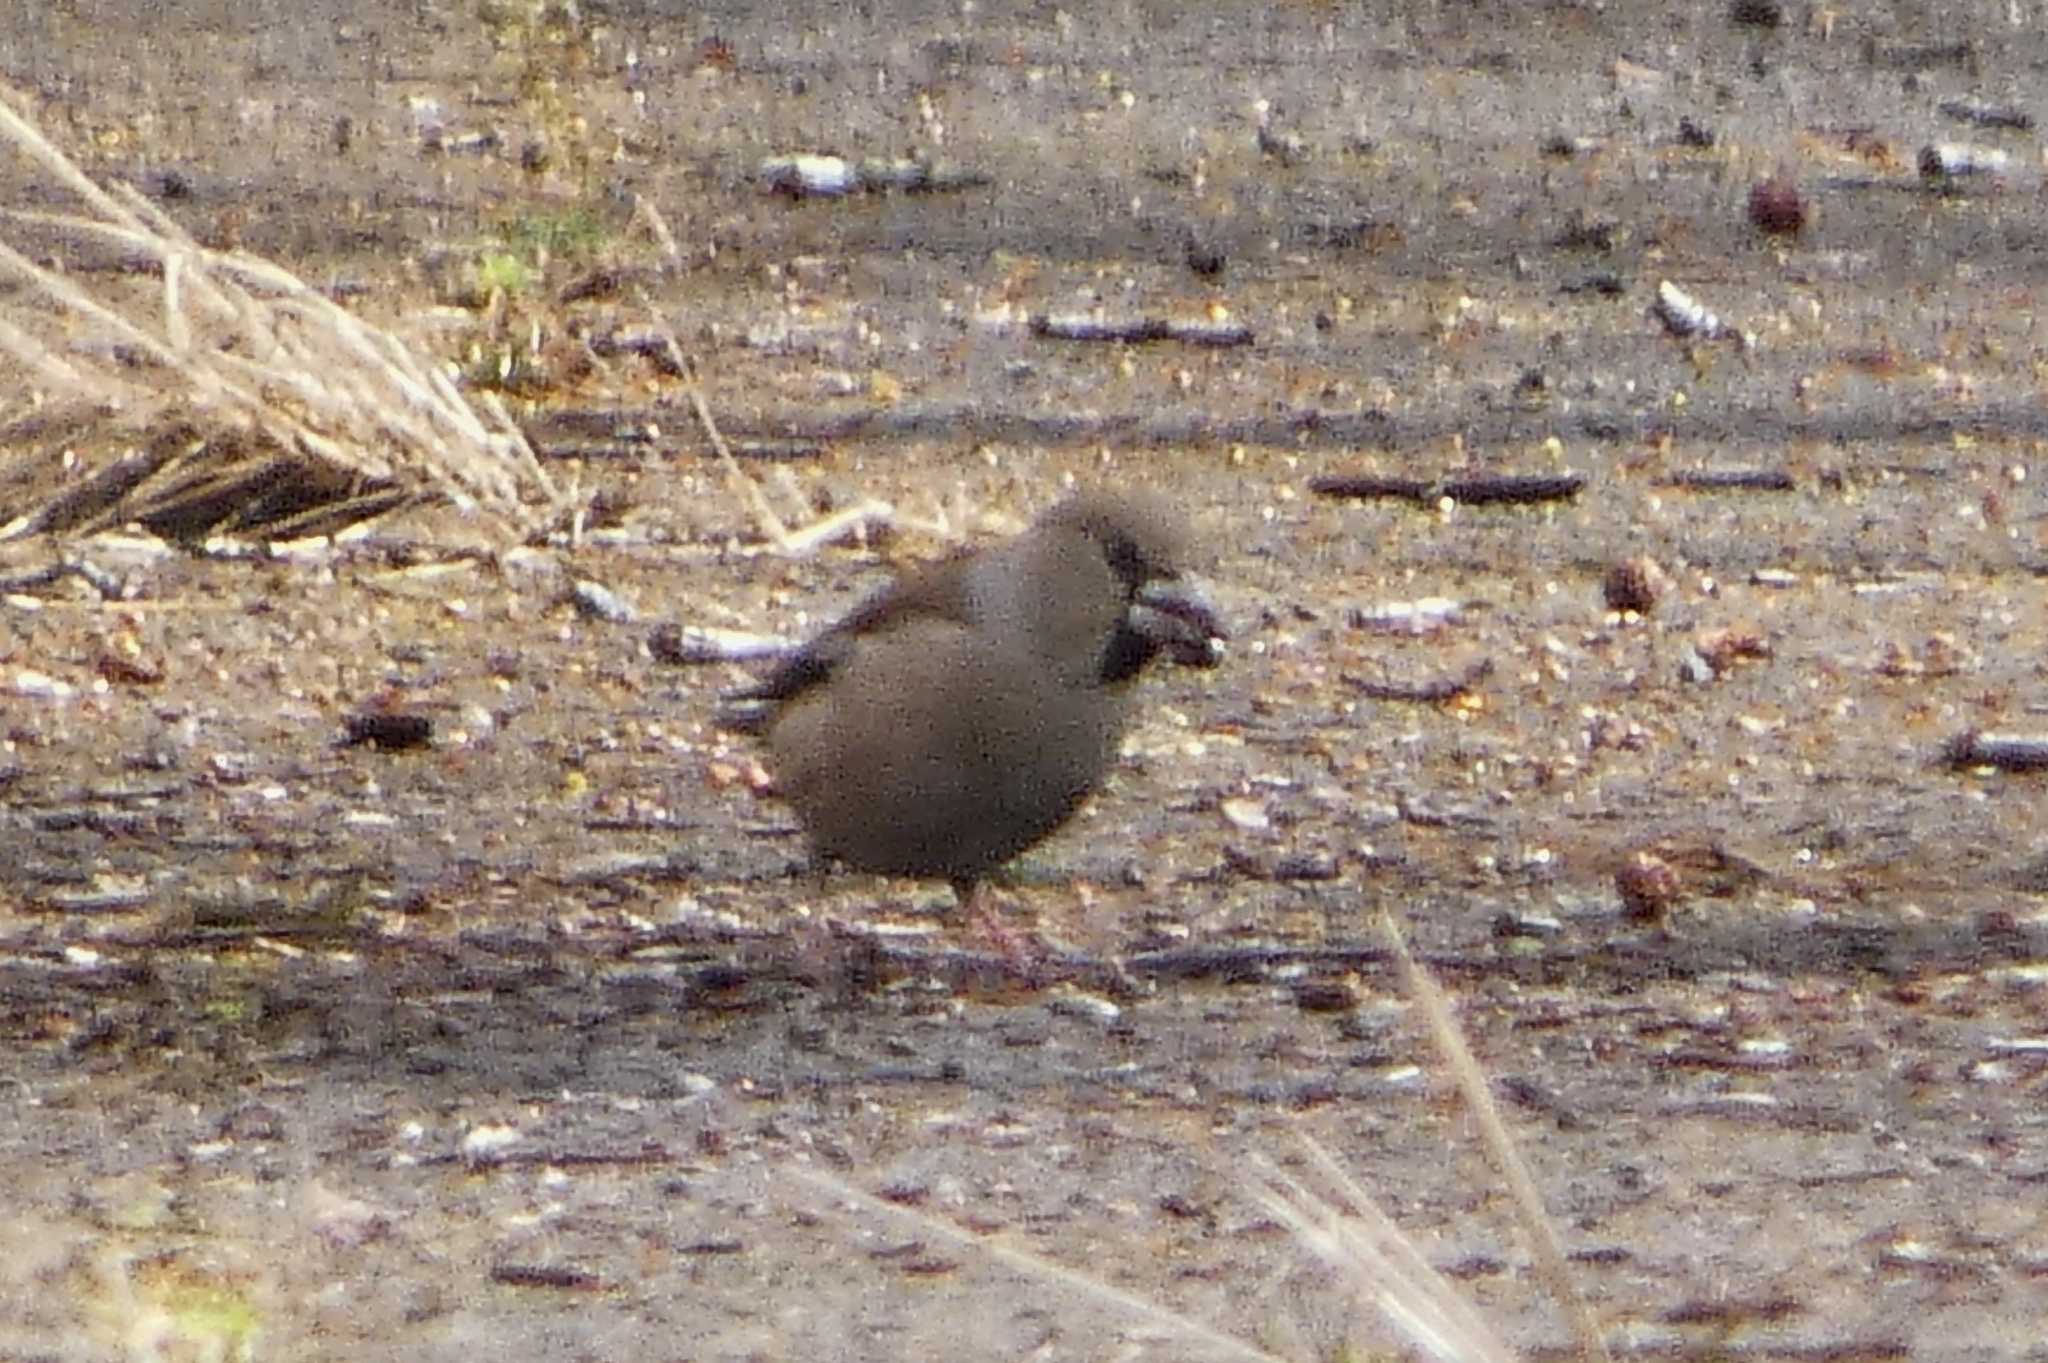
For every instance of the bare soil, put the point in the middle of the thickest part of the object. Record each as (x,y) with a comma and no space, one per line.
(509,1043)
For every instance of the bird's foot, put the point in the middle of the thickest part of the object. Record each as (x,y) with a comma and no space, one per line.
(979,900)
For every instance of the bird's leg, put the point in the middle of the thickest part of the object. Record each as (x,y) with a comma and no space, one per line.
(977,901)
(967,893)
(822,951)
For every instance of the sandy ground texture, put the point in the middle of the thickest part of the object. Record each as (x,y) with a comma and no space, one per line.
(516,1042)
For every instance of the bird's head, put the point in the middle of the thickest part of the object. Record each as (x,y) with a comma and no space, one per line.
(1163,607)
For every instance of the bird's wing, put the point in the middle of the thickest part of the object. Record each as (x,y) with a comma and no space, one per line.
(939,591)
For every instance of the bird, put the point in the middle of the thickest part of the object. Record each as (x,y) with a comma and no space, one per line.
(961,714)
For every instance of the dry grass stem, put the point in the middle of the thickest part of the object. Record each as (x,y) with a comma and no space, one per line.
(1344,1229)
(770,524)
(1175,1323)
(657,227)
(290,409)
(854,520)
(1471,1080)
(1361,1242)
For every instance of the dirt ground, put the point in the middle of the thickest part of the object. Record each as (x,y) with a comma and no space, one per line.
(516,1043)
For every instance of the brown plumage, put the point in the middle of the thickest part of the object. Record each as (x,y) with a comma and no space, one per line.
(962,713)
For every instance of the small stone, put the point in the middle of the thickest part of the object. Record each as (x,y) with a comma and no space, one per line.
(1776,205)
(1648,885)
(1723,648)
(485,1143)
(1326,996)
(595,601)
(1635,585)
(1249,815)
(1077,1003)
(41,686)
(386,730)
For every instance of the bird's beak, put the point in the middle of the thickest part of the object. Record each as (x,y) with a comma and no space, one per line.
(1175,614)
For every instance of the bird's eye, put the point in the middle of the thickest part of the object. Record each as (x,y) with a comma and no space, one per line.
(1126,561)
